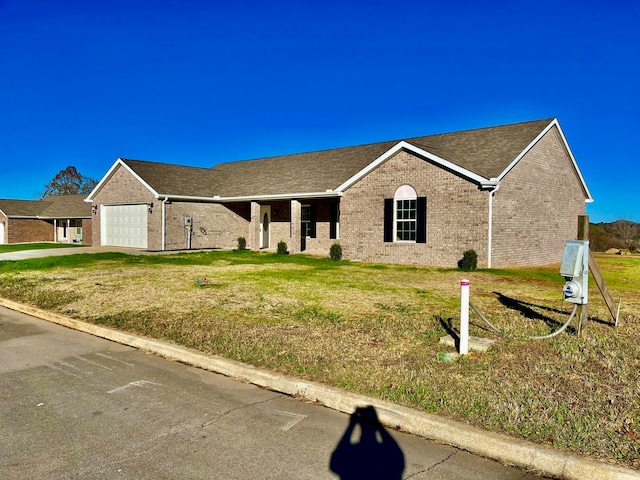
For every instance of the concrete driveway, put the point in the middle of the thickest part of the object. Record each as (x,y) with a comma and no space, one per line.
(57,252)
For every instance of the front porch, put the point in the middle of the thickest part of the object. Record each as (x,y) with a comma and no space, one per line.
(306,225)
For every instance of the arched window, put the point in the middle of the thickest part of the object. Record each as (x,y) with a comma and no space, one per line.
(405,217)
(405,202)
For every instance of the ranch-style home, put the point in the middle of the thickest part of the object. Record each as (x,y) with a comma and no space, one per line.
(59,218)
(512,193)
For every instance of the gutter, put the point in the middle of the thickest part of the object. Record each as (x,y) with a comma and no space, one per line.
(493,185)
(280,196)
(164,223)
(249,198)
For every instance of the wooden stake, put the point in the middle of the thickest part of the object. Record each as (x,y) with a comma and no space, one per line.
(583,310)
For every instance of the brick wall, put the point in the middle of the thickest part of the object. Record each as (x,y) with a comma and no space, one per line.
(214,225)
(457,215)
(123,187)
(87,231)
(20,230)
(537,206)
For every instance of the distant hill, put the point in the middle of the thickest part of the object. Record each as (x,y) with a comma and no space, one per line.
(619,234)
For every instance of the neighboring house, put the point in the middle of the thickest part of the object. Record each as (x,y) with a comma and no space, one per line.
(59,218)
(512,193)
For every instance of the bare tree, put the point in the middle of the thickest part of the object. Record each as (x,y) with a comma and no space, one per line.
(627,231)
(69,182)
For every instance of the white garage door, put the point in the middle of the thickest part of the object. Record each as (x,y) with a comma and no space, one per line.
(124,225)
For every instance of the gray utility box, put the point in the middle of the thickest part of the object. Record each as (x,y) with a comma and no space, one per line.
(575,270)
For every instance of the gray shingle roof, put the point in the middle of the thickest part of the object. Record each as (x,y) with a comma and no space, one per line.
(22,208)
(298,173)
(67,206)
(169,179)
(486,152)
(59,206)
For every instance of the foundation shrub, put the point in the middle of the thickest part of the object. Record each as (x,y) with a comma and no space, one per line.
(282,247)
(469,260)
(335,252)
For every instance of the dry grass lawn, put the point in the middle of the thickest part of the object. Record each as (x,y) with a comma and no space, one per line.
(374,329)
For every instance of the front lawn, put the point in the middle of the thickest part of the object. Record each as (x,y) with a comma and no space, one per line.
(374,329)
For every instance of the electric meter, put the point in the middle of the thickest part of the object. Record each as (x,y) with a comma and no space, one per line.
(575,270)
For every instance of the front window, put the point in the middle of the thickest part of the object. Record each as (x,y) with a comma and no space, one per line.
(405,214)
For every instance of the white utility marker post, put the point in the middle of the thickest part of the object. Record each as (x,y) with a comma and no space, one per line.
(464,317)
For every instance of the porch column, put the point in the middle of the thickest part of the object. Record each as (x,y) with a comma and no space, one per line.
(253,242)
(296,227)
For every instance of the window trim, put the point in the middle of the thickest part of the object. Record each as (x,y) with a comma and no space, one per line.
(390,219)
(405,193)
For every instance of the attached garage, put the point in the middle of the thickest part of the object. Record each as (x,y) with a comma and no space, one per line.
(124,225)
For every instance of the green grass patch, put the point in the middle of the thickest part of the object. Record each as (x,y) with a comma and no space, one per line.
(18,247)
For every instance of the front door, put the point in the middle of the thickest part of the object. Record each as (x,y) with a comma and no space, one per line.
(265,226)
(63,231)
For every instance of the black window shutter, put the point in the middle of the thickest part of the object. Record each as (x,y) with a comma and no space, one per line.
(313,218)
(421,220)
(388,219)
(333,221)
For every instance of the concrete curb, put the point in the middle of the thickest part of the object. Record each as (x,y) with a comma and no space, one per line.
(502,448)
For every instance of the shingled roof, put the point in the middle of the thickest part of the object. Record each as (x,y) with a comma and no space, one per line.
(58,206)
(486,152)
(482,154)
(169,179)
(66,206)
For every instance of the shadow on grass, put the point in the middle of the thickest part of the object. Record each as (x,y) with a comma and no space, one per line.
(448,327)
(525,308)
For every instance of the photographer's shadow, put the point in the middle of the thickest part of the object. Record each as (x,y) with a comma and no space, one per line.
(372,455)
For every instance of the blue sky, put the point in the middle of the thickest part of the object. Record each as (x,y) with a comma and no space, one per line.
(200,82)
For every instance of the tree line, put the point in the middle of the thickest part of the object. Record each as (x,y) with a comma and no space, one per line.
(621,234)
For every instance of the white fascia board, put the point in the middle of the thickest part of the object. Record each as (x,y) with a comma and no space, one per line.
(162,196)
(589,198)
(282,196)
(65,217)
(553,123)
(118,163)
(403,145)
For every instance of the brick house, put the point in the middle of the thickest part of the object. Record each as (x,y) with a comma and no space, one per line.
(512,193)
(59,218)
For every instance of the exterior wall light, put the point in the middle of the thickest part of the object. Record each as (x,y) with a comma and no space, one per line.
(150,207)
(94,209)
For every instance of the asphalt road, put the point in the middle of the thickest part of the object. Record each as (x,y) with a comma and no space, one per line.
(77,406)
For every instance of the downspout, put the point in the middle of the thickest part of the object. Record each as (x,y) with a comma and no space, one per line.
(55,230)
(490,239)
(164,219)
